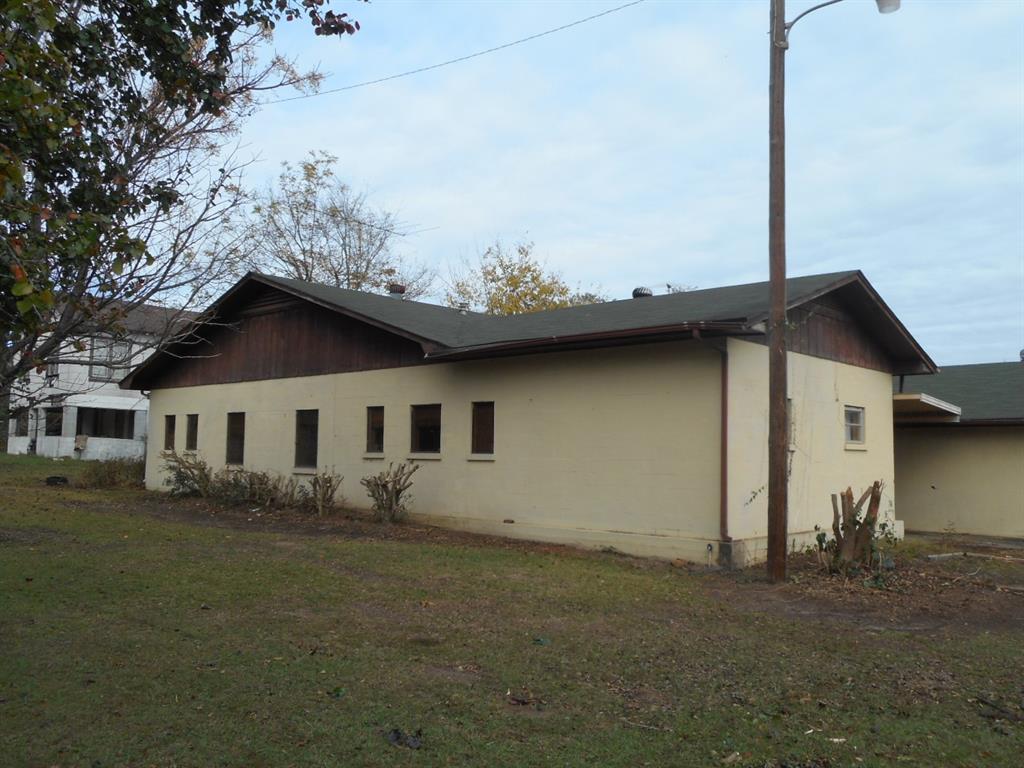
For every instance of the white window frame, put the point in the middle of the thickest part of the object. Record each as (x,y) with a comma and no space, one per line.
(104,352)
(849,426)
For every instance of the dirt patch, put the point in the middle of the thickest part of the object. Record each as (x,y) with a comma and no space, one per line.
(918,595)
(349,524)
(30,536)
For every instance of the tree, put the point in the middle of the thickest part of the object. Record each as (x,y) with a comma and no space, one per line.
(512,282)
(312,226)
(111,110)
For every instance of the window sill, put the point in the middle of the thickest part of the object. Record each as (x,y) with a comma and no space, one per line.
(856,447)
(373,456)
(423,457)
(303,470)
(480,457)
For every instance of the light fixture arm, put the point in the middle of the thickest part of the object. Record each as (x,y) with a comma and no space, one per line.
(812,9)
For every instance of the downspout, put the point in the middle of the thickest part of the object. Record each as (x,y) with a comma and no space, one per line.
(725,550)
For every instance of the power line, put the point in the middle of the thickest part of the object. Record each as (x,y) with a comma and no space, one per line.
(461,58)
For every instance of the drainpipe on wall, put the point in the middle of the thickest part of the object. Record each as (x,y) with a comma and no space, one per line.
(724,539)
(725,544)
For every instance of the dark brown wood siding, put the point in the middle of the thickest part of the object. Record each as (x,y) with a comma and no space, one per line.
(276,337)
(825,328)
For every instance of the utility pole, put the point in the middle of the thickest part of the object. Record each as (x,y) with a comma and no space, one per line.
(778,481)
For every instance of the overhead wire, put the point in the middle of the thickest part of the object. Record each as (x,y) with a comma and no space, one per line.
(496,48)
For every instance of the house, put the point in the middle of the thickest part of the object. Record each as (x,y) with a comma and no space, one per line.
(960,449)
(75,407)
(638,424)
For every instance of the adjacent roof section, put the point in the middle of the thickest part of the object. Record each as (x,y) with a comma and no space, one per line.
(987,393)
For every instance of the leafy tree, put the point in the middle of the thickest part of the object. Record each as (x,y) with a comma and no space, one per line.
(108,109)
(312,226)
(512,282)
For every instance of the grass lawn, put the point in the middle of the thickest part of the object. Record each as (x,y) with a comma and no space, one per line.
(138,630)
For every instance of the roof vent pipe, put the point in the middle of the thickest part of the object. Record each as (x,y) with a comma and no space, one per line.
(396,291)
(642,292)
(463,307)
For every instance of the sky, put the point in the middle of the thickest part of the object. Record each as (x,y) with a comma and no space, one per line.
(633,149)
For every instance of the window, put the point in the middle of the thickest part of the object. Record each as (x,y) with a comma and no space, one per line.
(306,428)
(54,421)
(854,424)
(483,428)
(375,429)
(191,431)
(426,429)
(236,439)
(106,422)
(52,373)
(110,359)
(21,424)
(169,423)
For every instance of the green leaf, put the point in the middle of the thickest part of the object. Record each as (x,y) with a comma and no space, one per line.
(22,288)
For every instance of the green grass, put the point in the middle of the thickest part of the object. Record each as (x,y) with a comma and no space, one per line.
(129,640)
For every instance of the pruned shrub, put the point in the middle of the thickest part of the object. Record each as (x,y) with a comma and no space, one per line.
(113,473)
(321,496)
(189,474)
(389,491)
(857,535)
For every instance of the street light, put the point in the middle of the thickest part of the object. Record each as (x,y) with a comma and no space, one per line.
(778,418)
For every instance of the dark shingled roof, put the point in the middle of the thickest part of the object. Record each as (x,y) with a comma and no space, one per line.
(445,333)
(739,305)
(986,392)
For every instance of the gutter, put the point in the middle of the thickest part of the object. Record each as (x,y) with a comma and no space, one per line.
(691,329)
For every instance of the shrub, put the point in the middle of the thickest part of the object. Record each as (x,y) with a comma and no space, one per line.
(388,491)
(113,473)
(189,474)
(322,494)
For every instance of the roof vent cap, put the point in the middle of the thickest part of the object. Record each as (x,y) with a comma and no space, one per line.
(463,307)
(396,290)
(642,292)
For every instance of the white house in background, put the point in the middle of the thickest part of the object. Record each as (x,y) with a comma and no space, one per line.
(79,410)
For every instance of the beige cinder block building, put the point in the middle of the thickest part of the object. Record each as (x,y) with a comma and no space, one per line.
(960,450)
(638,424)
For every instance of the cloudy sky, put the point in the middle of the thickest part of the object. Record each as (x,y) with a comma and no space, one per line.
(633,149)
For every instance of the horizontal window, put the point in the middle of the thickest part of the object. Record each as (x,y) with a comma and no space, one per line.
(106,422)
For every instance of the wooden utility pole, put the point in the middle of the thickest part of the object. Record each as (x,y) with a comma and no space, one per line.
(777,411)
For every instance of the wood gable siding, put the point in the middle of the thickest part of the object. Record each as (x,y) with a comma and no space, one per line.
(277,337)
(825,328)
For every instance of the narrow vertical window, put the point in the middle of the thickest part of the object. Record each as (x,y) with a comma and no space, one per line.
(306,433)
(375,429)
(54,422)
(21,424)
(483,428)
(191,431)
(853,420)
(426,429)
(169,433)
(236,439)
